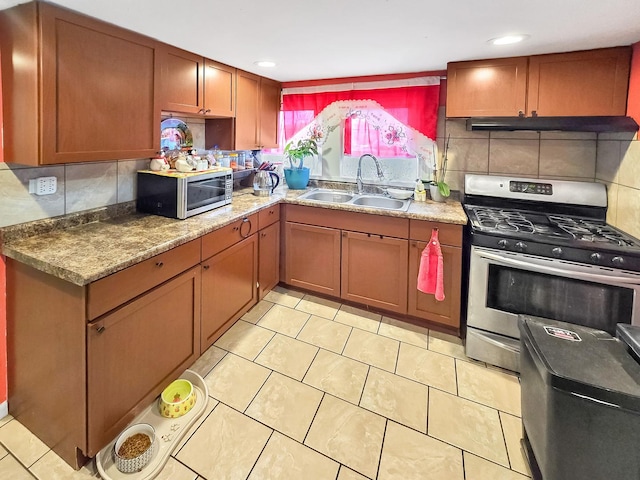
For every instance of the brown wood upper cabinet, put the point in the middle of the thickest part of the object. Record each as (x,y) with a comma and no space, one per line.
(196,85)
(258,107)
(58,106)
(586,83)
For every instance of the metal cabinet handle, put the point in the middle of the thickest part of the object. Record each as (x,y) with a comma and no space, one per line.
(206,267)
(159,264)
(100,329)
(245,221)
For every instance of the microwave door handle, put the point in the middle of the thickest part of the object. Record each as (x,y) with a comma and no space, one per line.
(593,277)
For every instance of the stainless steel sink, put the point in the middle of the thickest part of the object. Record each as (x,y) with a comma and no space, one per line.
(360,200)
(379,202)
(327,196)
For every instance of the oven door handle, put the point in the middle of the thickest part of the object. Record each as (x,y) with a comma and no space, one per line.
(594,277)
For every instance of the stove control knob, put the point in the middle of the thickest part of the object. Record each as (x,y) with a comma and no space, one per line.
(521,246)
(503,243)
(556,252)
(617,261)
(595,257)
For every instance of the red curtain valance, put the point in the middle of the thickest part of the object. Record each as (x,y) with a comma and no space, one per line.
(419,105)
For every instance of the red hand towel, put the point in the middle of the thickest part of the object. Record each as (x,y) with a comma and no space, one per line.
(431,272)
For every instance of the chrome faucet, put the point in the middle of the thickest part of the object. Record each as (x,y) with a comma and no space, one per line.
(359,174)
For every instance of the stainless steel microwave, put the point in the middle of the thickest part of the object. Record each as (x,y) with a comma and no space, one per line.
(181,195)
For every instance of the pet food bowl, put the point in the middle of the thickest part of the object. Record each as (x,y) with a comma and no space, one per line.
(177,399)
(134,464)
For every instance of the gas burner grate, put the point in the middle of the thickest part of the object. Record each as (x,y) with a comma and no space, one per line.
(591,231)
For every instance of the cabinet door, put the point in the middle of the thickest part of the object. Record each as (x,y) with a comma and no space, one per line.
(134,352)
(269,112)
(487,88)
(593,82)
(219,89)
(247,107)
(228,288)
(268,259)
(312,258)
(98,87)
(425,306)
(182,81)
(374,270)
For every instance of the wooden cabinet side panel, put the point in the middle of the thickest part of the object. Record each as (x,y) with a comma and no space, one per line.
(374,271)
(487,87)
(592,82)
(247,107)
(134,352)
(219,89)
(20,84)
(46,358)
(99,97)
(228,288)
(424,305)
(269,113)
(268,259)
(312,258)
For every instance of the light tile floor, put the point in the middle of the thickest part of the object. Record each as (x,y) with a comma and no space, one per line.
(302,387)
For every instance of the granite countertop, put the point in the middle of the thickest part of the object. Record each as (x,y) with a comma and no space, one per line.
(82,253)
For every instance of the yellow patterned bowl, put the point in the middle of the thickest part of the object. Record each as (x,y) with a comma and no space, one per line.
(177,399)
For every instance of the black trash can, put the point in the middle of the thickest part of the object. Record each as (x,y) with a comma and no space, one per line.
(580,402)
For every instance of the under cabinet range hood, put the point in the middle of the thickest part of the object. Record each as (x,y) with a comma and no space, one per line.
(546,124)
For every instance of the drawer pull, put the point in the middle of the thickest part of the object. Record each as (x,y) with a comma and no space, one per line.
(100,329)
(271,212)
(235,229)
(159,264)
(245,221)
(206,267)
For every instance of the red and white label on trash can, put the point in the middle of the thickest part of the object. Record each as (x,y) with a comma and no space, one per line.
(562,333)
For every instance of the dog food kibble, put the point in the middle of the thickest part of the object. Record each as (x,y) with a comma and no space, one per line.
(134,446)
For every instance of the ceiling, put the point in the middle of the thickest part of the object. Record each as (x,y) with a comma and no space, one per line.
(337,38)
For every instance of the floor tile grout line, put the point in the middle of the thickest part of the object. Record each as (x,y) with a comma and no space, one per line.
(181,463)
(313,419)
(259,389)
(384,435)
(504,440)
(27,469)
(183,441)
(364,386)
(261,451)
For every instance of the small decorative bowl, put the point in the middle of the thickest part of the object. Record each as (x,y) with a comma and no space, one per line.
(399,193)
(135,464)
(177,399)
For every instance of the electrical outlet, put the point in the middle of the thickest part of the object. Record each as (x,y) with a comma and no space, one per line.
(43,185)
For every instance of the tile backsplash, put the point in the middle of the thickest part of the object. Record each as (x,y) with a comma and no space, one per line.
(613,159)
(81,186)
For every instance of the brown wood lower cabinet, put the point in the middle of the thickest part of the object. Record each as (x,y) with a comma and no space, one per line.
(374,270)
(135,351)
(268,259)
(313,258)
(426,306)
(373,266)
(228,288)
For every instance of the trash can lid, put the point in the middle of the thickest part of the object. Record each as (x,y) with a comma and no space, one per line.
(583,361)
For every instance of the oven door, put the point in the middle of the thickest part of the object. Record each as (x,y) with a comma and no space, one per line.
(505,284)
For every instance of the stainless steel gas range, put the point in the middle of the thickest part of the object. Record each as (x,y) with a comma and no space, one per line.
(543,248)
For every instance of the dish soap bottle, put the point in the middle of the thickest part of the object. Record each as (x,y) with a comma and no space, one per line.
(420,194)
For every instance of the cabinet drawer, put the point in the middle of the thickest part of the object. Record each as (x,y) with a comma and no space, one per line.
(268,216)
(114,290)
(449,234)
(352,221)
(226,236)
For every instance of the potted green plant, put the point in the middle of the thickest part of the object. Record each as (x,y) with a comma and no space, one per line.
(438,188)
(298,175)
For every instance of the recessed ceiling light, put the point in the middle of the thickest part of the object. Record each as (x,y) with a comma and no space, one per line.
(266,63)
(508,39)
